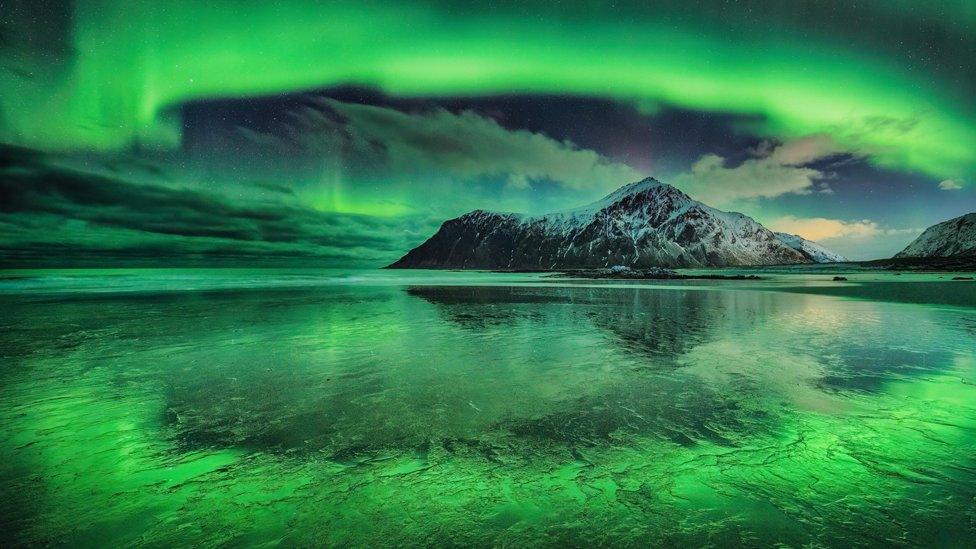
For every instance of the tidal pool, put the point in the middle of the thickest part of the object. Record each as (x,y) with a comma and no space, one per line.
(148,408)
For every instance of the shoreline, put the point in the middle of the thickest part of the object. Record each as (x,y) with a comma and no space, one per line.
(644,274)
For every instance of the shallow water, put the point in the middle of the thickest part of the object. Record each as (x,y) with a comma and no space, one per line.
(423,408)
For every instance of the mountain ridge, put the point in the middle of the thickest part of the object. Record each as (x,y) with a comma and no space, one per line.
(643,224)
(810,249)
(953,237)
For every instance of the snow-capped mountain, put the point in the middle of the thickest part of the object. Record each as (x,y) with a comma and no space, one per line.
(644,224)
(810,249)
(949,238)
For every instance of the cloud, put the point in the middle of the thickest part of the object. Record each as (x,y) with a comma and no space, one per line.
(803,150)
(949,185)
(465,145)
(776,170)
(63,215)
(821,228)
(857,239)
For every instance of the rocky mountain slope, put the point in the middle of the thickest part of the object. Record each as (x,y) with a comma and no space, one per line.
(949,238)
(644,224)
(810,249)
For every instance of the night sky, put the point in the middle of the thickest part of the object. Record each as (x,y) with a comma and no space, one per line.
(344,133)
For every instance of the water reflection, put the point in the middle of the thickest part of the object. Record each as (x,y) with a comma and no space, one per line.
(651,329)
(500,415)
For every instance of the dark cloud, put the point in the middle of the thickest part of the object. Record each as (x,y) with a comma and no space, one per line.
(469,145)
(50,212)
(400,155)
(776,169)
(275,188)
(663,139)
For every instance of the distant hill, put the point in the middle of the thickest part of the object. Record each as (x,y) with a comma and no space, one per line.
(955,237)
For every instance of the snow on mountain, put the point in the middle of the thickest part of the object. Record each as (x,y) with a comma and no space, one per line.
(810,249)
(950,238)
(644,224)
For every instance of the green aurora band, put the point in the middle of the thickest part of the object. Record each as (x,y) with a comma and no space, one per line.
(122,69)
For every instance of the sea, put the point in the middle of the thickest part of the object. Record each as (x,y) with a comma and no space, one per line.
(367,408)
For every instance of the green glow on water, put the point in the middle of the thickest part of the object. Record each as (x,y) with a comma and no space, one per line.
(369,413)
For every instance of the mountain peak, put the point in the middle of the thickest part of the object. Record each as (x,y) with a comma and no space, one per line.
(630,189)
(634,188)
(638,186)
(643,224)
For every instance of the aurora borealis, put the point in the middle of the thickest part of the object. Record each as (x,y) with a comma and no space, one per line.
(380,119)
